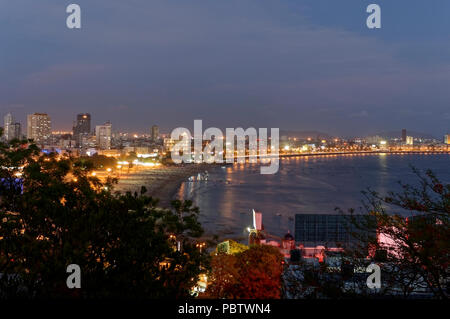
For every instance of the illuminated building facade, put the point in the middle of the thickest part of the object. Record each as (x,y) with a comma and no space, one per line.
(39,127)
(8,128)
(169,144)
(155,133)
(82,128)
(409,140)
(103,134)
(11,129)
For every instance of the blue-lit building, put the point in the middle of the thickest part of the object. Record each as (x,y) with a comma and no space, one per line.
(330,230)
(11,184)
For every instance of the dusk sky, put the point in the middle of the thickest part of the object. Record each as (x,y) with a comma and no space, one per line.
(292,64)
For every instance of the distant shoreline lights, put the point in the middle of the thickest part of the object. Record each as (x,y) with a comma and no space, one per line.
(235,146)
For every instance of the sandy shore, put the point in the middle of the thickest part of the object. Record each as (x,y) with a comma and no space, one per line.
(162,182)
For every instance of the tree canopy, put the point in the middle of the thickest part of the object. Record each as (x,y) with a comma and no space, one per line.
(413,236)
(53,213)
(253,273)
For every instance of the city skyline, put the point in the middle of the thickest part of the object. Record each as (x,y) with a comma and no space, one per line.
(154,129)
(296,66)
(202,152)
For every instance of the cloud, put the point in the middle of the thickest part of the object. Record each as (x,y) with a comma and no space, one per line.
(359,114)
(262,63)
(62,73)
(12,106)
(119,108)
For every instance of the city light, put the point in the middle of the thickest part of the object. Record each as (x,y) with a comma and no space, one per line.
(312,93)
(200,246)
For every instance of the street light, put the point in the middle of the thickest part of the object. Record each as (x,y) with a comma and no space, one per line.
(200,246)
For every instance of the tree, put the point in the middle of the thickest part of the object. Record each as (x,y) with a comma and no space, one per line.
(417,248)
(231,247)
(260,273)
(254,273)
(406,233)
(100,161)
(223,278)
(53,213)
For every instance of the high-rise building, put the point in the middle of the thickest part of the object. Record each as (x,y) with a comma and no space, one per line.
(155,133)
(82,127)
(409,140)
(103,134)
(404,135)
(39,127)
(374,139)
(17,130)
(447,139)
(8,127)
(168,144)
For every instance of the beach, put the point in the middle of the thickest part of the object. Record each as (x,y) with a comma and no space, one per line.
(161,182)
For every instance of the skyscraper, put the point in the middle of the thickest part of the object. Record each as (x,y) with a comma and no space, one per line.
(404,135)
(447,139)
(155,133)
(17,130)
(409,140)
(103,134)
(39,127)
(82,127)
(8,127)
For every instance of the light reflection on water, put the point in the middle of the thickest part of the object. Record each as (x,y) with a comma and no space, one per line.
(302,185)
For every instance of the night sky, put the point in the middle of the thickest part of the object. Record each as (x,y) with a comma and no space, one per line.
(292,64)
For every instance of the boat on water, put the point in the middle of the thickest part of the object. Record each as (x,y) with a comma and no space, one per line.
(200,177)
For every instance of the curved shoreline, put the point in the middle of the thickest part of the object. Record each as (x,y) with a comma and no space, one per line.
(164,183)
(223,208)
(368,153)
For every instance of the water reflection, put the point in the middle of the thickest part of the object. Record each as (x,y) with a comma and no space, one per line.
(304,185)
